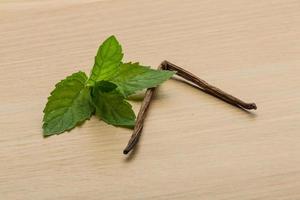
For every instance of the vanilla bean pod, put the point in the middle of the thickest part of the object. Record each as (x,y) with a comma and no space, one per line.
(165,65)
(140,118)
(207,87)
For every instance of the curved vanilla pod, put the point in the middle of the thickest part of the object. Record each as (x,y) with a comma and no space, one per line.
(203,85)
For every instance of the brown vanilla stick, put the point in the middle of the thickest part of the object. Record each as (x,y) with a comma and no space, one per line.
(207,87)
(189,77)
(140,121)
(140,118)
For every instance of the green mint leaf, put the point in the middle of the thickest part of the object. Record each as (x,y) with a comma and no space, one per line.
(77,97)
(107,60)
(111,106)
(69,104)
(106,86)
(131,77)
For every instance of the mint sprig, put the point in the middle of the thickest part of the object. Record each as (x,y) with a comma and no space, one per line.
(77,97)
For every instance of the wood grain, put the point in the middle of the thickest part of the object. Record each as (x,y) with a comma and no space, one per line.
(193,146)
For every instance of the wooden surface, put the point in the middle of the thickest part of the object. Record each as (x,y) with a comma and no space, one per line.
(194,146)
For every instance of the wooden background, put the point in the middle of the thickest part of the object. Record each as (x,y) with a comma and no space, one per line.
(194,146)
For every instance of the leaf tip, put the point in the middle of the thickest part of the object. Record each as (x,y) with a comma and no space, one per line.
(112,38)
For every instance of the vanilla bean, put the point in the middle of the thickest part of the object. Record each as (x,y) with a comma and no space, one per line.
(140,118)
(207,87)
(166,65)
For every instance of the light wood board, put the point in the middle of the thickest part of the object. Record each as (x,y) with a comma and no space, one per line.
(194,146)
